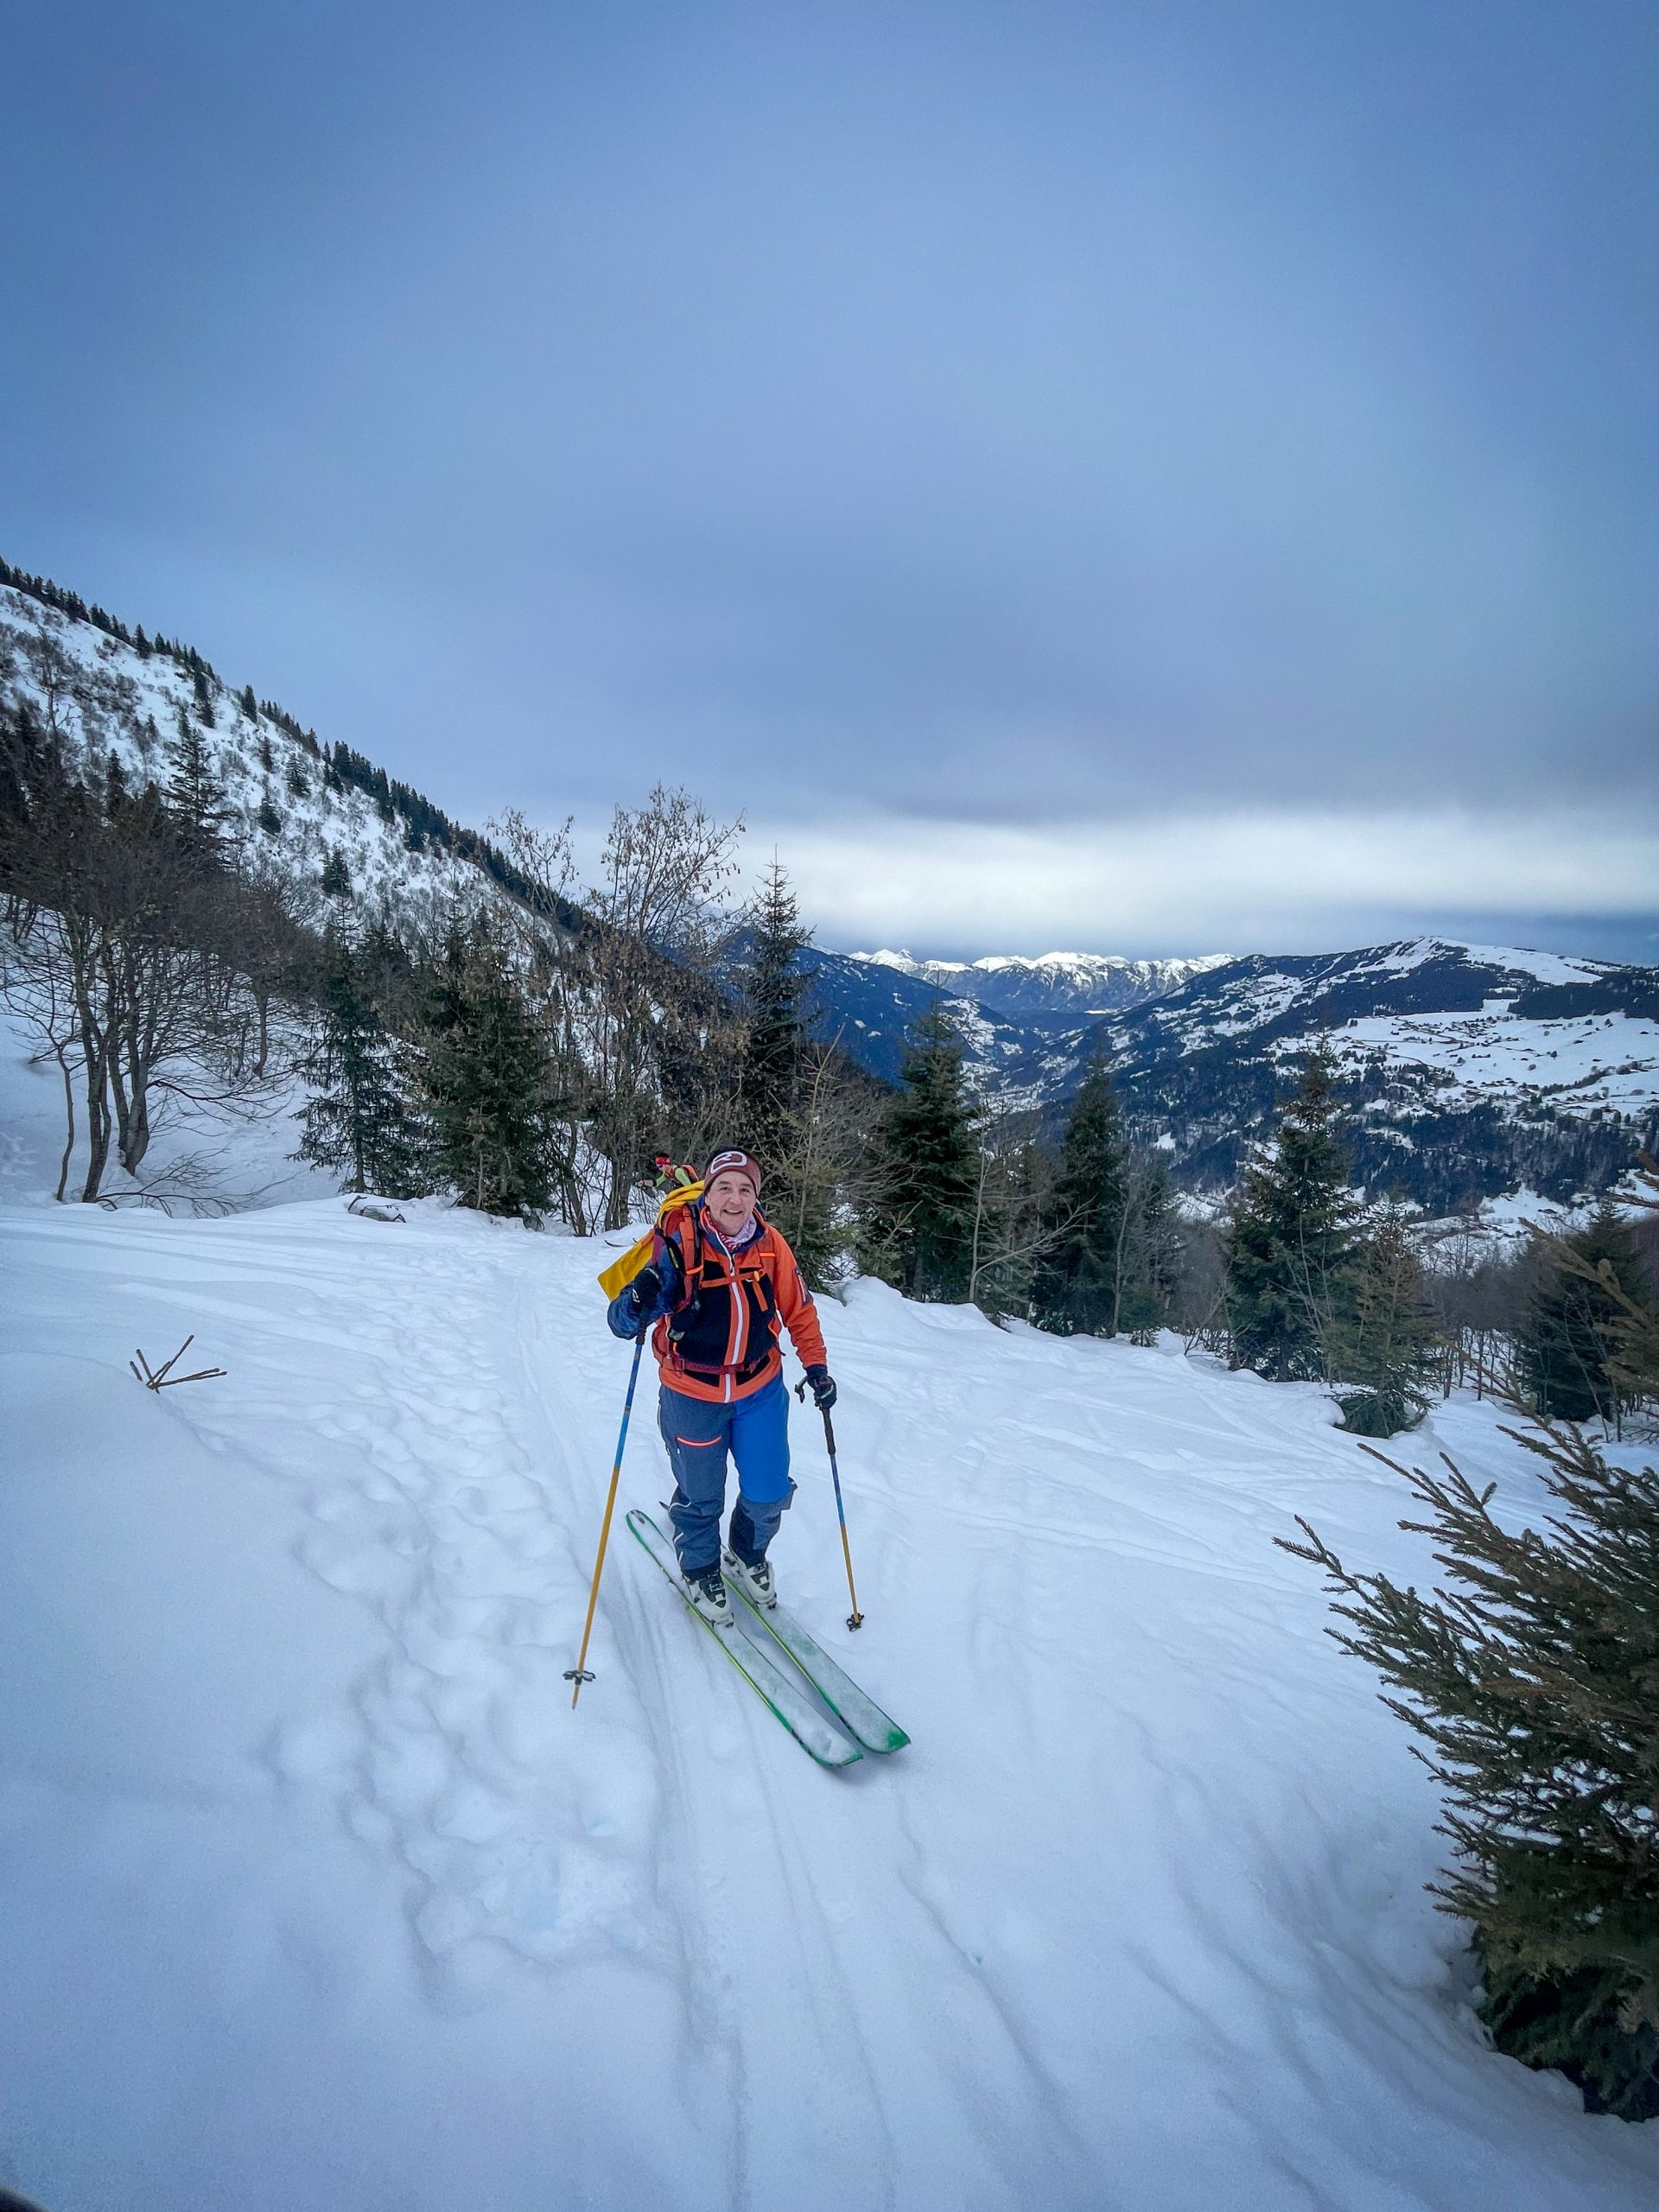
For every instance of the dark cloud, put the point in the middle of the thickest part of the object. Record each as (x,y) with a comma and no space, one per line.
(1007,416)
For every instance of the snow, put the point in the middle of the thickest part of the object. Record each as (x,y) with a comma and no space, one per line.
(223,1158)
(886,959)
(320,1896)
(1081,968)
(1543,966)
(1580,1064)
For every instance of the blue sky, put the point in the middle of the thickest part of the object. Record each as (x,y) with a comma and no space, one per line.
(1145,478)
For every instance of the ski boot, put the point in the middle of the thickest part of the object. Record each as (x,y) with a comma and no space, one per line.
(708,1595)
(757,1582)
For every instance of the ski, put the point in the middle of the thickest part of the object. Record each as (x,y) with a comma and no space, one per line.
(858,1713)
(811,1730)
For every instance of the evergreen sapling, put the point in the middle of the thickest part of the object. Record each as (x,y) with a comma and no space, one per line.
(1533,1679)
(356,1119)
(1077,1285)
(918,1230)
(1385,1337)
(1567,1337)
(1291,1239)
(488,1077)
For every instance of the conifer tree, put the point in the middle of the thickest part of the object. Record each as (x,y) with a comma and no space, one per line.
(269,818)
(1533,1680)
(298,787)
(1077,1285)
(1385,1334)
(774,1034)
(356,1118)
(918,1225)
(1288,1245)
(488,1079)
(204,697)
(195,798)
(1153,1244)
(1565,1342)
(336,878)
(792,1103)
(116,791)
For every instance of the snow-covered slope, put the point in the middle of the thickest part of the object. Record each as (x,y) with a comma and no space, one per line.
(319,1896)
(1476,1069)
(1069,984)
(204,1156)
(107,696)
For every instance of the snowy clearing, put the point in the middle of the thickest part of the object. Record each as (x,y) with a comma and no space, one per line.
(318,1895)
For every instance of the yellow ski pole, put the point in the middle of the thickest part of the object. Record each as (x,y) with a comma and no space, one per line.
(580,1672)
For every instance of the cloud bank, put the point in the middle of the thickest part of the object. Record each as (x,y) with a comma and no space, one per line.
(1204,882)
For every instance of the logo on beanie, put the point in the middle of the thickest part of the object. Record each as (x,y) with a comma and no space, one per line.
(741,1160)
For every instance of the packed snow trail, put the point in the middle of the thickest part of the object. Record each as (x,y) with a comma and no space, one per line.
(318,1895)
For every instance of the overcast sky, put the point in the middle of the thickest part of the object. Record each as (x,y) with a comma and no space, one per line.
(1138,477)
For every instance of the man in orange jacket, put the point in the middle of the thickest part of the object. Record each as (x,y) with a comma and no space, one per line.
(719,1281)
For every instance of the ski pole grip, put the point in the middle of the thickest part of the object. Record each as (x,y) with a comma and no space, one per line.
(829,1426)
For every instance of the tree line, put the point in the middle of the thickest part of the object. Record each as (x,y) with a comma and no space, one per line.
(534,1052)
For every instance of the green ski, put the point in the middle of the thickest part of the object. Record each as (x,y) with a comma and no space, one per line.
(858,1713)
(812,1729)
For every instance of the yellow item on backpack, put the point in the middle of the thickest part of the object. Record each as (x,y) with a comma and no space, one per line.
(621,1271)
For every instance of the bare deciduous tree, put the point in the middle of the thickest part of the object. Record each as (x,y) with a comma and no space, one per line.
(651,1017)
(128,950)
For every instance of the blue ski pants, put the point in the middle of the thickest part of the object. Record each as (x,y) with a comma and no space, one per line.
(698,1435)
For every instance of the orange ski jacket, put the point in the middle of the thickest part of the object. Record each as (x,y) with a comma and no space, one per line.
(719,1314)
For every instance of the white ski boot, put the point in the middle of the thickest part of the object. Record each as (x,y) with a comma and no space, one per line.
(708,1595)
(756,1583)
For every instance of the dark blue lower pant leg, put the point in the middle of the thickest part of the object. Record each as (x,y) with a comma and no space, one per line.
(695,1432)
(759,1433)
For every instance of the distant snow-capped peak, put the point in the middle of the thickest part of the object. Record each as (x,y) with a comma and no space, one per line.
(1051,982)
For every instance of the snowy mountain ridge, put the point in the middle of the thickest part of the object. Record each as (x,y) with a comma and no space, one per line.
(1018,984)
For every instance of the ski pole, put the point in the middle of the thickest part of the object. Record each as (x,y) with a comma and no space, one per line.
(854,1619)
(580,1673)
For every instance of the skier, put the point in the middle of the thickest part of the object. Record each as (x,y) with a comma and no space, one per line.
(719,1282)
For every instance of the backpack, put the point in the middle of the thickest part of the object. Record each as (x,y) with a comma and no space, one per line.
(615,1278)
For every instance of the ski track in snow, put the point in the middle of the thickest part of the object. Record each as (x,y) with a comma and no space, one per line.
(1136,1921)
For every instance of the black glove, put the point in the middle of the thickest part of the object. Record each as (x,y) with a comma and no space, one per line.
(645,1290)
(820,1384)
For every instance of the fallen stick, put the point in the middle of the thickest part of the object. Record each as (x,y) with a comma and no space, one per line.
(162,1377)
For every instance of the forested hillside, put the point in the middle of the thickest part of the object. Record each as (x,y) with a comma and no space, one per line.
(1465,1072)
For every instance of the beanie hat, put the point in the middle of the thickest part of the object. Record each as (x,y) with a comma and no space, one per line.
(732,1158)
